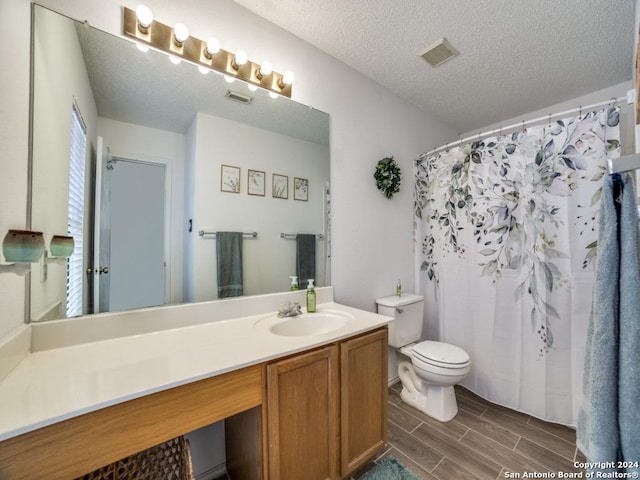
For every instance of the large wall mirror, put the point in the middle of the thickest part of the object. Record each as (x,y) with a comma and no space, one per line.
(133,155)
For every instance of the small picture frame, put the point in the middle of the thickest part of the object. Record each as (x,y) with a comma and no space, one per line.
(255,182)
(300,189)
(280,187)
(230,179)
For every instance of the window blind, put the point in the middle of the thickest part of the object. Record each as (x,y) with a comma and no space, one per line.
(75,270)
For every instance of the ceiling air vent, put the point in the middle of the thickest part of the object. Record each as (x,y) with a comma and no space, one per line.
(438,53)
(238,97)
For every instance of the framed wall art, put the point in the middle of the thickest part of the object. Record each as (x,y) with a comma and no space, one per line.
(230,179)
(255,182)
(280,186)
(300,189)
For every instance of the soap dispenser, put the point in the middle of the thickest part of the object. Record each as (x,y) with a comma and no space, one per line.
(294,282)
(311,296)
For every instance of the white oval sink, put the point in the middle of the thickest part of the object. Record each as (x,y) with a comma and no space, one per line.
(306,324)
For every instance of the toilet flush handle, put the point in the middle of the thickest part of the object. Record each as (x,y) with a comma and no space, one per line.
(399,310)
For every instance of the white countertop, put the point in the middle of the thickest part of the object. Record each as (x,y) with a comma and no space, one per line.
(53,385)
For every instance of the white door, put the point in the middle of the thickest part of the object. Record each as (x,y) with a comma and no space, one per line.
(129,235)
(137,228)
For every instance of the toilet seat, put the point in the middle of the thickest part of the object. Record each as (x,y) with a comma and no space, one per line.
(440,354)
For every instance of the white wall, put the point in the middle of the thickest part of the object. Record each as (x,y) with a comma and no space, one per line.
(268,260)
(60,81)
(136,142)
(14,142)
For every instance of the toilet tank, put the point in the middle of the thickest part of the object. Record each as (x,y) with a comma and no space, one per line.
(407,311)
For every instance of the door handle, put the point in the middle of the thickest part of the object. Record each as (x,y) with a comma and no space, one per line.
(99,270)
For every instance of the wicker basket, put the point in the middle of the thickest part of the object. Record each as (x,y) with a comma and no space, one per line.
(170,460)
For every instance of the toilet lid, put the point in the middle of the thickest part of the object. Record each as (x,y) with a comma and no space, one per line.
(441,354)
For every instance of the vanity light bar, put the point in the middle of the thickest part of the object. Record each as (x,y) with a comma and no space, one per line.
(161,37)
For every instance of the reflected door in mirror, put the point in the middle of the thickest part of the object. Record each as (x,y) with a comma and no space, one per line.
(134,222)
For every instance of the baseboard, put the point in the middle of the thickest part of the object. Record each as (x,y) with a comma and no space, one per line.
(393,381)
(213,472)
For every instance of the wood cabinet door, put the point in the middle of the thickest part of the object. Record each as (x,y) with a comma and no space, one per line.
(303,423)
(363,382)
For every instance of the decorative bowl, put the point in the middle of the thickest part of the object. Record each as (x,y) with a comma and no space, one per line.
(61,246)
(22,246)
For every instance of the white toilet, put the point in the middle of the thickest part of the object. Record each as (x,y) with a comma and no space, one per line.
(435,367)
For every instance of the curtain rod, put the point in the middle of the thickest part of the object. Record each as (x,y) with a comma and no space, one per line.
(523,124)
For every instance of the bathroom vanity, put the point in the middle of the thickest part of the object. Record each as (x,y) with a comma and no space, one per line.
(301,403)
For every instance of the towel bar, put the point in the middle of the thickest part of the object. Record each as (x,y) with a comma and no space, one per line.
(202,233)
(319,236)
(623,164)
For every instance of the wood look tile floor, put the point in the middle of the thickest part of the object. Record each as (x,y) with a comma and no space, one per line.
(483,442)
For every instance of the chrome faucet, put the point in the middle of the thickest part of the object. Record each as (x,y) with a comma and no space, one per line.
(290,309)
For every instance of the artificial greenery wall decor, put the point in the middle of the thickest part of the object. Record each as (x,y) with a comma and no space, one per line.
(388,176)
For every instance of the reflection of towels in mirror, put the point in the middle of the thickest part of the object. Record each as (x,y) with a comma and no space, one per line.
(229,264)
(305,258)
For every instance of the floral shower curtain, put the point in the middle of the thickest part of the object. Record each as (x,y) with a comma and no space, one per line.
(506,238)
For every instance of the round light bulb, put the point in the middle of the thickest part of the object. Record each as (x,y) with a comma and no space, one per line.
(213,46)
(252,87)
(241,57)
(288,77)
(144,16)
(180,32)
(203,70)
(142,47)
(228,79)
(273,95)
(175,60)
(266,68)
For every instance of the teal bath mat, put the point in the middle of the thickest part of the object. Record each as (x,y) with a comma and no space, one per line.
(390,469)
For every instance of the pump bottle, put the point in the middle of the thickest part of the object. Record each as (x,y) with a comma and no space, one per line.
(311,296)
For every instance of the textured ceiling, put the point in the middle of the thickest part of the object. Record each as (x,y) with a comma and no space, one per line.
(147,89)
(517,56)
